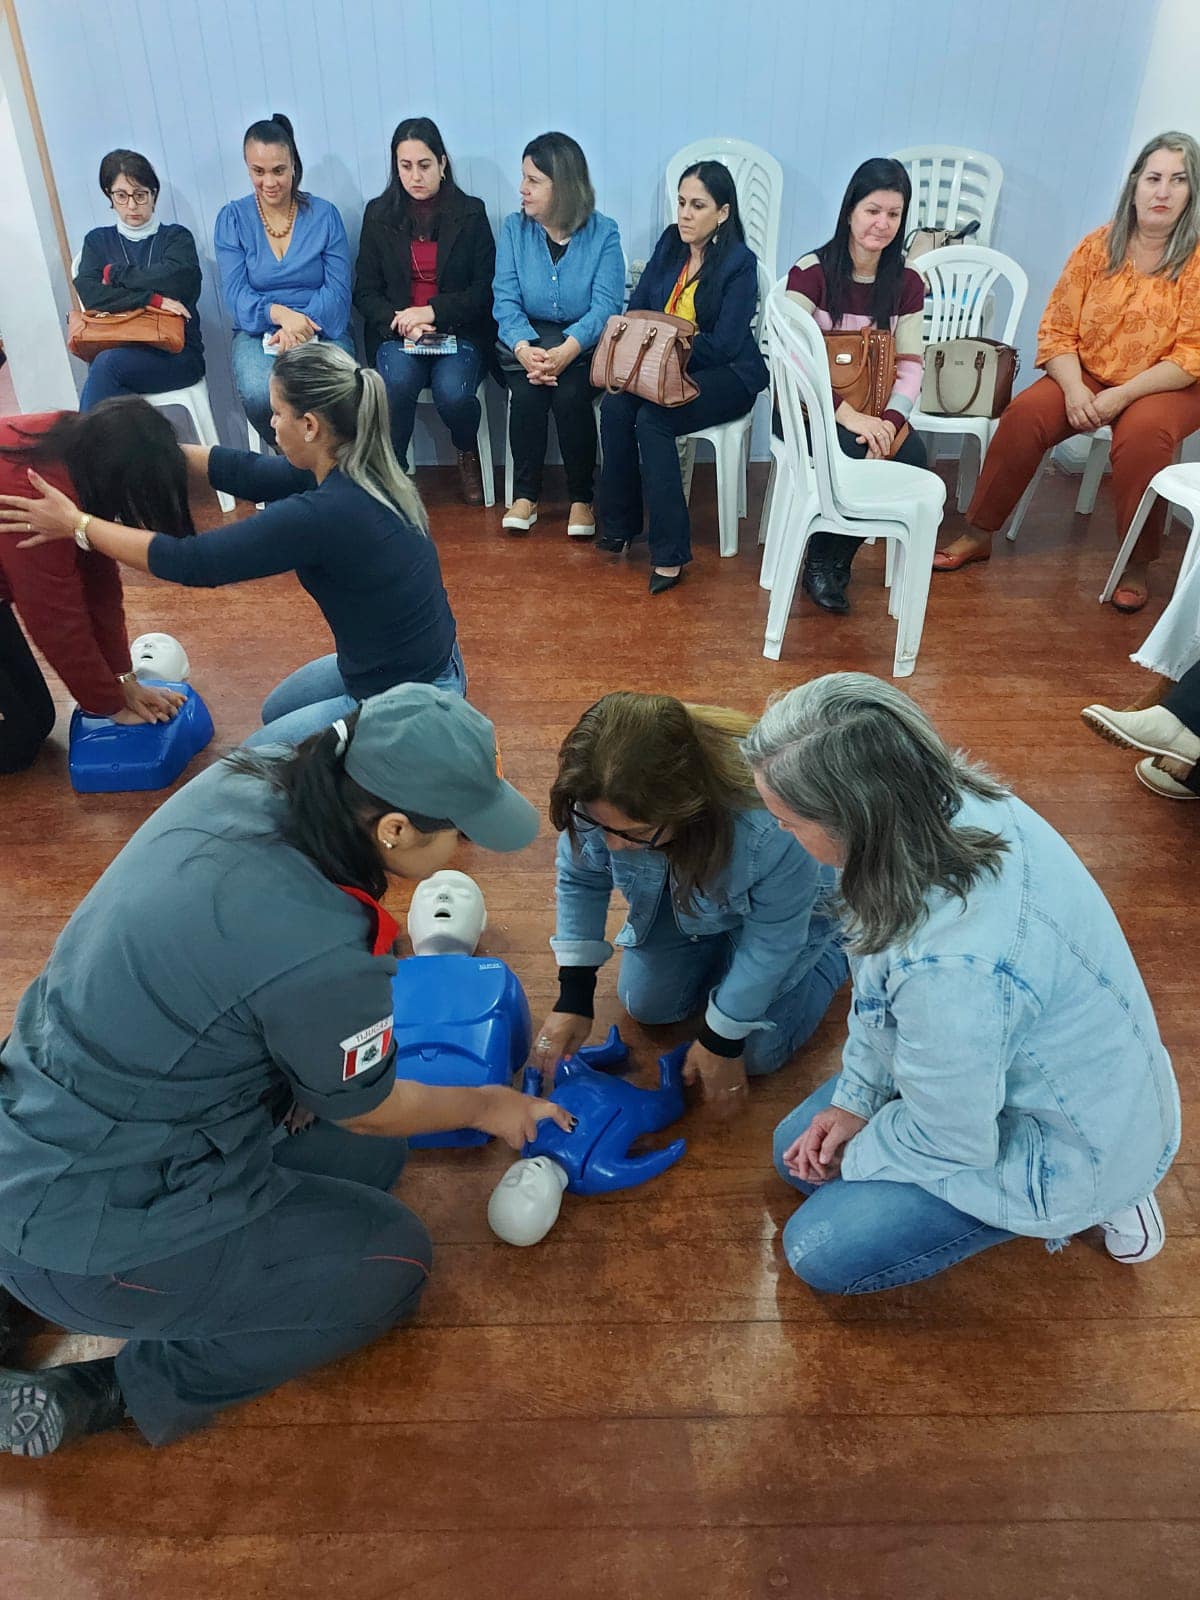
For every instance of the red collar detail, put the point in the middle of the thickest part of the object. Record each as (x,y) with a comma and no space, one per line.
(387,929)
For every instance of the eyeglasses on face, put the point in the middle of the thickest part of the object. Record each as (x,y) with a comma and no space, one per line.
(125,197)
(642,840)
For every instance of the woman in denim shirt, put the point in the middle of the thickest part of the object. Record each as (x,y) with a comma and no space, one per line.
(726,914)
(1003,1075)
(560,275)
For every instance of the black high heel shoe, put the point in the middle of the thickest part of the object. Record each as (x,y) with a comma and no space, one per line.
(660,582)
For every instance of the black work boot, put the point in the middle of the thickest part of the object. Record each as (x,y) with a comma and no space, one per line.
(41,1410)
(827,572)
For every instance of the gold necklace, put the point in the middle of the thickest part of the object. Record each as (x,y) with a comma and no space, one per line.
(276,233)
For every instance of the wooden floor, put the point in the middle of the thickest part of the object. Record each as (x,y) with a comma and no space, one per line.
(649,1404)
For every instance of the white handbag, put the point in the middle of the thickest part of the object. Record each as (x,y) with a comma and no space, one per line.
(968,378)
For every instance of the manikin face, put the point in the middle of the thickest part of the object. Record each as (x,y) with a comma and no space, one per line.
(447,915)
(526,1202)
(157,655)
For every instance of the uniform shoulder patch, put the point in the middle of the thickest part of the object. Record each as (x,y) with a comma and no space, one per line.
(366,1048)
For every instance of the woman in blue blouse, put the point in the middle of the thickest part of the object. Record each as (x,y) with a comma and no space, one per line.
(284,263)
(701,269)
(137,262)
(560,275)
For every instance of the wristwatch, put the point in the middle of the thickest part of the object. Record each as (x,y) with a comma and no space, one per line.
(81,528)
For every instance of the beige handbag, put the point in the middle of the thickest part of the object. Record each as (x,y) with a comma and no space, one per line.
(922,240)
(968,378)
(646,353)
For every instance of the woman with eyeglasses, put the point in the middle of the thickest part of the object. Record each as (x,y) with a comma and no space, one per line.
(726,912)
(138,262)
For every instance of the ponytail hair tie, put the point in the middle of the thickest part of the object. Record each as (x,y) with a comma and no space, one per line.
(343,739)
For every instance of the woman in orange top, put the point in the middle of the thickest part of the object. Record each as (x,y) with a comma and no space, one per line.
(1120,344)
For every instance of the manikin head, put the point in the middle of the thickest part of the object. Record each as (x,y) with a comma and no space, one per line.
(157,655)
(447,915)
(525,1203)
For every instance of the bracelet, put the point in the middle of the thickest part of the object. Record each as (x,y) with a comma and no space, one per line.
(81,528)
(126,677)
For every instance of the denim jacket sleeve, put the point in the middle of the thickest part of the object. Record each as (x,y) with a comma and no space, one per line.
(608,291)
(508,306)
(951,1021)
(582,889)
(774,946)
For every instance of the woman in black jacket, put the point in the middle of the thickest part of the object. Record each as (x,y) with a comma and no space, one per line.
(426,259)
(701,269)
(137,262)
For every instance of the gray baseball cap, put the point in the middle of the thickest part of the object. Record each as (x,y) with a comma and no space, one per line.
(427,750)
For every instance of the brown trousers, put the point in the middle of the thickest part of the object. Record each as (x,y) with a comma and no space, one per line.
(1145,438)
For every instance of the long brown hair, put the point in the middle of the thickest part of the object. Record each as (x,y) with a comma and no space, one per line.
(665,764)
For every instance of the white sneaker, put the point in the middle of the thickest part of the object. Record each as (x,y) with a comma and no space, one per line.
(1155,730)
(1152,772)
(1135,1234)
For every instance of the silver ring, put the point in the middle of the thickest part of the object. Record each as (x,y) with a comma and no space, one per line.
(543,1041)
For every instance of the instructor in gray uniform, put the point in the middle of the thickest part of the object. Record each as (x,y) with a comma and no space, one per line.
(231,966)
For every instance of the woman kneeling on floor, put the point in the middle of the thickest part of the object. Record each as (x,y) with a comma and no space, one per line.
(1003,1074)
(727,916)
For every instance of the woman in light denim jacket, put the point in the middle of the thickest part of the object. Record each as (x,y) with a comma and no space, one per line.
(1003,1074)
(560,275)
(726,913)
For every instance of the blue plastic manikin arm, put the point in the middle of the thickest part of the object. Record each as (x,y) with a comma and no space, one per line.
(610,1115)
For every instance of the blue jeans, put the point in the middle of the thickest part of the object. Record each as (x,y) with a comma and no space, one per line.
(132,370)
(641,461)
(314,696)
(252,369)
(453,379)
(856,1238)
(671,975)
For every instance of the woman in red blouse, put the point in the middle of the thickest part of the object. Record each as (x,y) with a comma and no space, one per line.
(120,460)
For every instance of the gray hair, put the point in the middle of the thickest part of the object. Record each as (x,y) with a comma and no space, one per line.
(862,761)
(323,379)
(1186,233)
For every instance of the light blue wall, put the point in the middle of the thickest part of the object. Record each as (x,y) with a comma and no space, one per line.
(1048,88)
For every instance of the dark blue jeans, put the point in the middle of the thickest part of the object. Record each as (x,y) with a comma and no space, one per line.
(334,1265)
(641,461)
(131,370)
(453,379)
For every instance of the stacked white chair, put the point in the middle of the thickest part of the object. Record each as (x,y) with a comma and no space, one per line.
(961,283)
(951,186)
(822,490)
(758,179)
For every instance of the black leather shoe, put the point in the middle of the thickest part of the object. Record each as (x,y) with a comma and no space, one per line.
(660,582)
(825,584)
(41,1410)
(612,542)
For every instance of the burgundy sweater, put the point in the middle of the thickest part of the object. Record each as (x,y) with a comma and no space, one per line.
(68,599)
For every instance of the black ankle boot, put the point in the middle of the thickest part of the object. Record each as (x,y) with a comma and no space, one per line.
(824,581)
(39,1411)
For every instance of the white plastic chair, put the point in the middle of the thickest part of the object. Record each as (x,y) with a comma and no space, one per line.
(960,283)
(731,445)
(1180,485)
(483,438)
(194,400)
(758,180)
(829,492)
(950,186)
(1089,483)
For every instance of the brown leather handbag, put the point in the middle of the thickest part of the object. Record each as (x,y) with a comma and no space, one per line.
(646,353)
(862,370)
(91,332)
